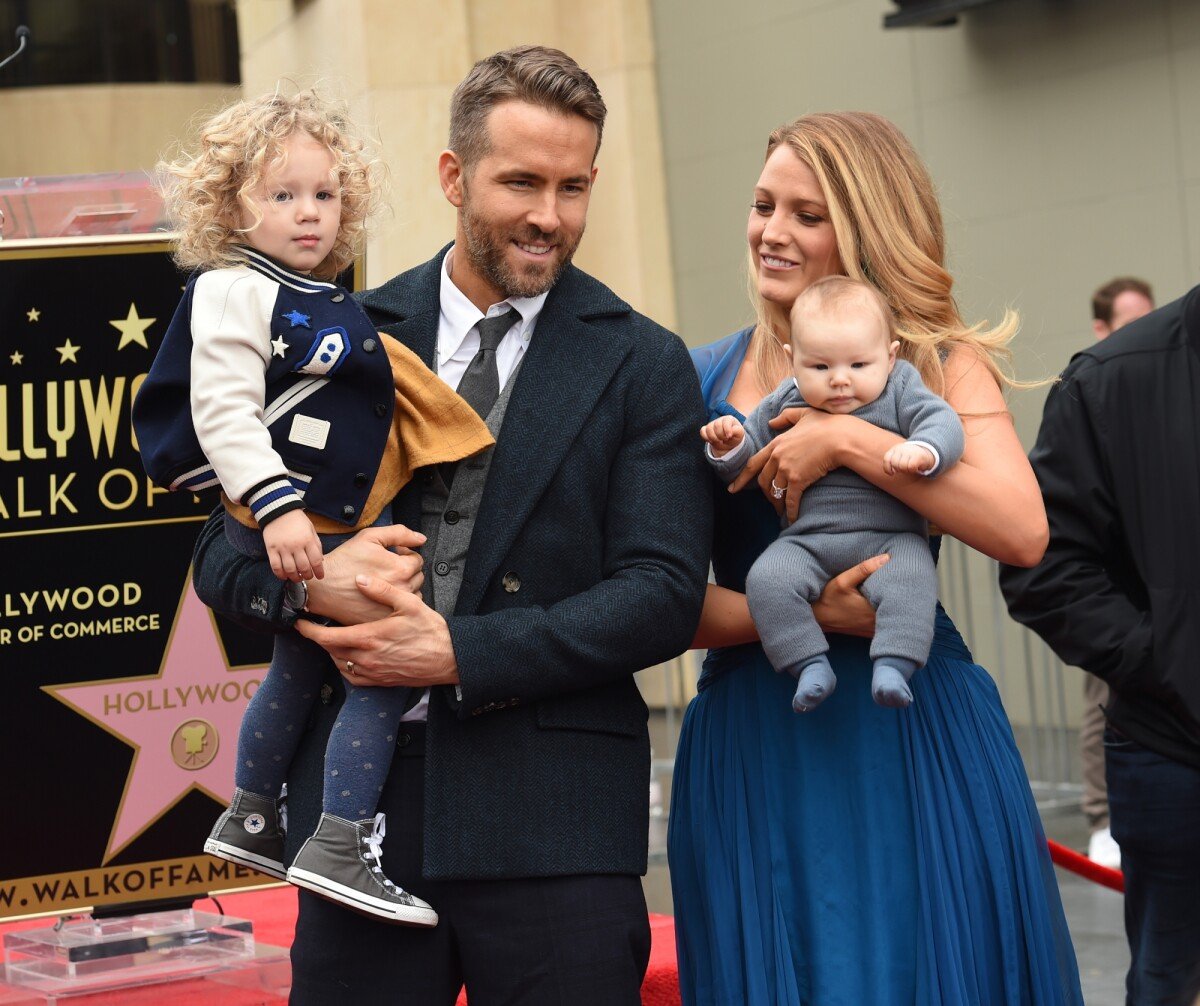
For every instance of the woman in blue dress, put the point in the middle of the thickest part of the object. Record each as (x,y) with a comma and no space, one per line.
(859,855)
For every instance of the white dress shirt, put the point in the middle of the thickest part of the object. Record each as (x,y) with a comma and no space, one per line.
(457,344)
(458,339)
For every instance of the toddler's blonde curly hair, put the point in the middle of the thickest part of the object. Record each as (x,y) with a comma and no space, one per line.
(206,190)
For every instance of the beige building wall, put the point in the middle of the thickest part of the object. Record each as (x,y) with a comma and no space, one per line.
(1062,138)
(97,127)
(397,61)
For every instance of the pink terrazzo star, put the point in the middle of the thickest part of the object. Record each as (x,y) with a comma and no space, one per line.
(193,703)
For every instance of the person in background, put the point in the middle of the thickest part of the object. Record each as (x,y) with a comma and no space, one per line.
(1118,594)
(1119,302)
(1114,305)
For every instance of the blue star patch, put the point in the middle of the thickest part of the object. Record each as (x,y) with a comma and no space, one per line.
(297,319)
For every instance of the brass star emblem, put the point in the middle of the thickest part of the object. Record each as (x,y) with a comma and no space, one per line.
(133,328)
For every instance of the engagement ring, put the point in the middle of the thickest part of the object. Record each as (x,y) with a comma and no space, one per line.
(777,491)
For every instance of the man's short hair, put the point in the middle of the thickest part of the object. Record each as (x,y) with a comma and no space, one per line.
(1103,298)
(532,73)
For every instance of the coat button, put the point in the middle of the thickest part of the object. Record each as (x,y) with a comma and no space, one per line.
(441,568)
(326,694)
(348,512)
(451,516)
(360,479)
(381,410)
(404,740)
(369,345)
(512,582)
(338,297)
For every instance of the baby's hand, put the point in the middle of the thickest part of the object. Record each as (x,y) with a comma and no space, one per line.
(907,457)
(293,547)
(722,435)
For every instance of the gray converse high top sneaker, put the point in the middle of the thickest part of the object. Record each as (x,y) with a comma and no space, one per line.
(341,862)
(249,833)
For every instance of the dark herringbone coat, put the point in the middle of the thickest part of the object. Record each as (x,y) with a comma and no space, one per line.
(598,505)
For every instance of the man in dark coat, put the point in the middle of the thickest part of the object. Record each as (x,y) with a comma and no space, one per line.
(556,565)
(1118,594)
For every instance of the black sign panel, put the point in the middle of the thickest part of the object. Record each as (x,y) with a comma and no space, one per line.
(122,691)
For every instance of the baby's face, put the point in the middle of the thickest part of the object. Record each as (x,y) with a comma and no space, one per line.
(842,358)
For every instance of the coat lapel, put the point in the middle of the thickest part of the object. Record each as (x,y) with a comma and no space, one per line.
(407,307)
(569,363)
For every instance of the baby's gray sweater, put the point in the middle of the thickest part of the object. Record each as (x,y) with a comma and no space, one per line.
(843,501)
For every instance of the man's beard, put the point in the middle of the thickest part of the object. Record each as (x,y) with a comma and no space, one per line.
(486,249)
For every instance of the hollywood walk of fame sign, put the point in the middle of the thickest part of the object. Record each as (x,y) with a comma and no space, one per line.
(122,691)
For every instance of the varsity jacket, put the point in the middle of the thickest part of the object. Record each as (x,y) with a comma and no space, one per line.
(1118,591)
(272,384)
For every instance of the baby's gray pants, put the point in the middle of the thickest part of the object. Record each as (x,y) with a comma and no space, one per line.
(793,570)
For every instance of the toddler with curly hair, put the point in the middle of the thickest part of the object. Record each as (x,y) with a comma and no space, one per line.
(272,383)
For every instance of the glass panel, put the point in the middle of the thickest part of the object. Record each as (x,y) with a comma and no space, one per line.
(119,202)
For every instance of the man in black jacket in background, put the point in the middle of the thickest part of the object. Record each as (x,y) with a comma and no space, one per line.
(1118,594)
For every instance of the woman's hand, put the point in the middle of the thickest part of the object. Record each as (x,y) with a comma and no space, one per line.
(796,458)
(842,607)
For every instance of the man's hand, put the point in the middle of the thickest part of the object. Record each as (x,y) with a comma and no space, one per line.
(293,547)
(910,458)
(409,646)
(795,459)
(722,435)
(382,553)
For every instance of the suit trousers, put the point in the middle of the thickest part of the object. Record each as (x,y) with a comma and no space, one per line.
(538,941)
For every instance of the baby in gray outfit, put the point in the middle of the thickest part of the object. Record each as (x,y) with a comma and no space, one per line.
(844,361)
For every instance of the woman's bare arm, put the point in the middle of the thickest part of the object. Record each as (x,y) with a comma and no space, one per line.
(724,620)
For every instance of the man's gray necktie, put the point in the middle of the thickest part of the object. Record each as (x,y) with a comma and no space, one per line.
(480,384)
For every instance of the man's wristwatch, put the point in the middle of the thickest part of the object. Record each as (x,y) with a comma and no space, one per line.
(295,602)
(295,597)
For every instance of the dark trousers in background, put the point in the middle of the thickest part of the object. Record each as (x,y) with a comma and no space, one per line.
(1154,804)
(1091,752)
(553,941)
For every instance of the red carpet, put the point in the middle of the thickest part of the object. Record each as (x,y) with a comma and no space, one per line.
(273,912)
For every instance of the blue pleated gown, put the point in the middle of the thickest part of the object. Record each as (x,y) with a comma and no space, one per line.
(854,855)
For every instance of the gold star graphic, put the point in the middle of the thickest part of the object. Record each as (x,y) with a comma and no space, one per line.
(33,314)
(133,328)
(67,352)
(16,358)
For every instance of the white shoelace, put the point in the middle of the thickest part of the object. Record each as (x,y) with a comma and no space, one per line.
(374,844)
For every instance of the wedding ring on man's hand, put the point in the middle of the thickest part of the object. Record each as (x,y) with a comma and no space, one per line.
(777,491)
(350,667)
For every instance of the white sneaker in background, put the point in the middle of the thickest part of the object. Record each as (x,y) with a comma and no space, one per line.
(1103,850)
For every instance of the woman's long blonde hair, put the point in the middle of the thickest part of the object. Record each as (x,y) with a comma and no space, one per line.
(888,225)
(206,190)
